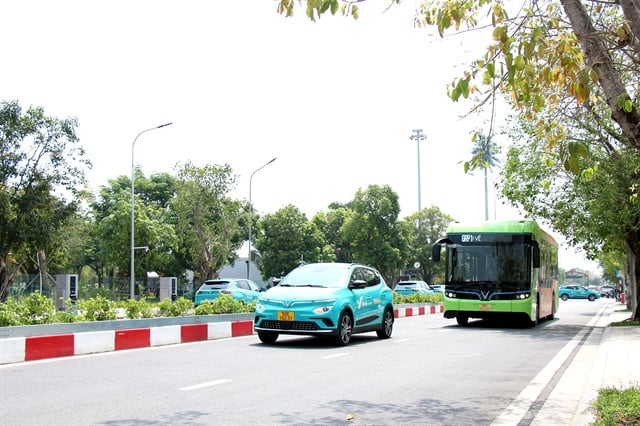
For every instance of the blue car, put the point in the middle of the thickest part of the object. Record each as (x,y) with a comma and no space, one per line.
(326,299)
(578,292)
(241,289)
(406,288)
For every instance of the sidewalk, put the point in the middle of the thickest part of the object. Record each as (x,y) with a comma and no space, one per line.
(608,358)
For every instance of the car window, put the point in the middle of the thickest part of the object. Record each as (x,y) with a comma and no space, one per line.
(214,285)
(369,276)
(243,285)
(253,286)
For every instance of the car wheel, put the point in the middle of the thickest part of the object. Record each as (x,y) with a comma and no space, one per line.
(462,319)
(387,325)
(564,297)
(345,328)
(267,337)
(591,298)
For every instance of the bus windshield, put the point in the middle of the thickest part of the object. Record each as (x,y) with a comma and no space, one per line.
(499,263)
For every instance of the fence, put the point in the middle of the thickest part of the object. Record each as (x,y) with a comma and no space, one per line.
(113,288)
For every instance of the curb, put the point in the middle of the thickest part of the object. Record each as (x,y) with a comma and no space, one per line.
(32,348)
(20,349)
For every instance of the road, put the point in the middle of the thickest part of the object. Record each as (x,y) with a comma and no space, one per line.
(431,371)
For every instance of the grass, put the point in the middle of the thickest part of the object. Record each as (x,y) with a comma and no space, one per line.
(617,407)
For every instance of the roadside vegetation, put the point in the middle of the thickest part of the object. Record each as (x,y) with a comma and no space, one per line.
(37,308)
(617,407)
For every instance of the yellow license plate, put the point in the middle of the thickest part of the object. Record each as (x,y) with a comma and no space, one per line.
(485,307)
(285,316)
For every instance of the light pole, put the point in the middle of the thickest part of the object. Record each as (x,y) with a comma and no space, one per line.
(418,136)
(251,211)
(133,247)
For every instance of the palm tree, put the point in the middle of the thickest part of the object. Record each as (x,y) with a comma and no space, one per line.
(484,154)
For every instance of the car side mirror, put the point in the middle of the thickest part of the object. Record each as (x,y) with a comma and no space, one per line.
(358,284)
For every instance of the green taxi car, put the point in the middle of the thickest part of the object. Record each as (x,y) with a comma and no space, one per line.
(326,299)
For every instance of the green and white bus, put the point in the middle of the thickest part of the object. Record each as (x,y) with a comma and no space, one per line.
(498,269)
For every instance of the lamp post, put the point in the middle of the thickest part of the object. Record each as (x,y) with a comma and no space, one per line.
(418,136)
(133,247)
(251,211)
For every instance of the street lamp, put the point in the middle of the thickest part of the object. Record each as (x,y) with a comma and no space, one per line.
(133,247)
(418,136)
(251,211)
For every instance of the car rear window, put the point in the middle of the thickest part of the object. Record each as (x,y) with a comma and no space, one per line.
(214,285)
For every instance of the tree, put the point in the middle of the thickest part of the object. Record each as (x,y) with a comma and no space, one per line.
(330,224)
(373,230)
(484,153)
(425,228)
(39,161)
(208,222)
(286,239)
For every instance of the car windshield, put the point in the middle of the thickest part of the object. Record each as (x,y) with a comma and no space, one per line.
(407,285)
(316,276)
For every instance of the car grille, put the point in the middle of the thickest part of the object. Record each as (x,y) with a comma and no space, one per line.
(289,325)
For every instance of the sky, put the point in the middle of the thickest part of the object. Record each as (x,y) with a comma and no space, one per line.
(335,102)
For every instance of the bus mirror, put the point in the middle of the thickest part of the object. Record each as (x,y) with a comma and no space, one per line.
(536,255)
(435,253)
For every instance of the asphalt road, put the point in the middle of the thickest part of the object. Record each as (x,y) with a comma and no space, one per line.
(430,372)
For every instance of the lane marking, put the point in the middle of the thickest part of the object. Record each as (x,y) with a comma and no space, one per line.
(205,385)
(515,412)
(338,355)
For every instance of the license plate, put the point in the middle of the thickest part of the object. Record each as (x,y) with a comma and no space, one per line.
(285,316)
(485,307)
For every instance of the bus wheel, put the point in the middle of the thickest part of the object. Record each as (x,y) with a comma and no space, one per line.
(552,315)
(462,319)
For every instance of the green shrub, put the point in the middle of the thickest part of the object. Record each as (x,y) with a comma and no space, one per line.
(225,304)
(10,313)
(137,308)
(181,307)
(436,297)
(97,309)
(37,309)
(617,407)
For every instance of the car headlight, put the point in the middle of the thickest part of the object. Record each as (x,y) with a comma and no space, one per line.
(320,310)
(260,307)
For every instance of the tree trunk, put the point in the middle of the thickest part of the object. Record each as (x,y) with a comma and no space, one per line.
(609,77)
(633,258)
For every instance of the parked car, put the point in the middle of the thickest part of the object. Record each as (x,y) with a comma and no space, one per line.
(326,299)
(406,288)
(578,292)
(606,290)
(437,287)
(241,289)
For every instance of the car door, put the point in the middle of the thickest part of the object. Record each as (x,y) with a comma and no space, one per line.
(369,298)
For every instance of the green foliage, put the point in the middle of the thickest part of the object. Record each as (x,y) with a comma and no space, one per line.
(181,307)
(617,407)
(97,309)
(286,238)
(137,308)
(435,298)
(225,304)
(10,313)
(37,309)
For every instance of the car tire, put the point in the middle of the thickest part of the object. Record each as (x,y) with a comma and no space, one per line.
(345,329)
(564,297)
(462,319)
(387,325)
(267,337)
(591,298)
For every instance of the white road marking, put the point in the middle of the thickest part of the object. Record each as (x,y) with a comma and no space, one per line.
(205,385)
(338,355)
(523,402)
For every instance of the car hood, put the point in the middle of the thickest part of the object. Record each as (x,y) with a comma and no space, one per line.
(309,294)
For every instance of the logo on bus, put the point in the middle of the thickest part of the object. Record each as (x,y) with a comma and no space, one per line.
(468,238)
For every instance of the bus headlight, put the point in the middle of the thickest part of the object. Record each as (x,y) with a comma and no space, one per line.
(523,296)
(450,294)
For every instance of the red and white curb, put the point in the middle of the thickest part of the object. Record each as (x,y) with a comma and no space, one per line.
(19,349)
(409,311)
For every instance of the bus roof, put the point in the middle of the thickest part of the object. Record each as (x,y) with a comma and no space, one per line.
(524,226)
